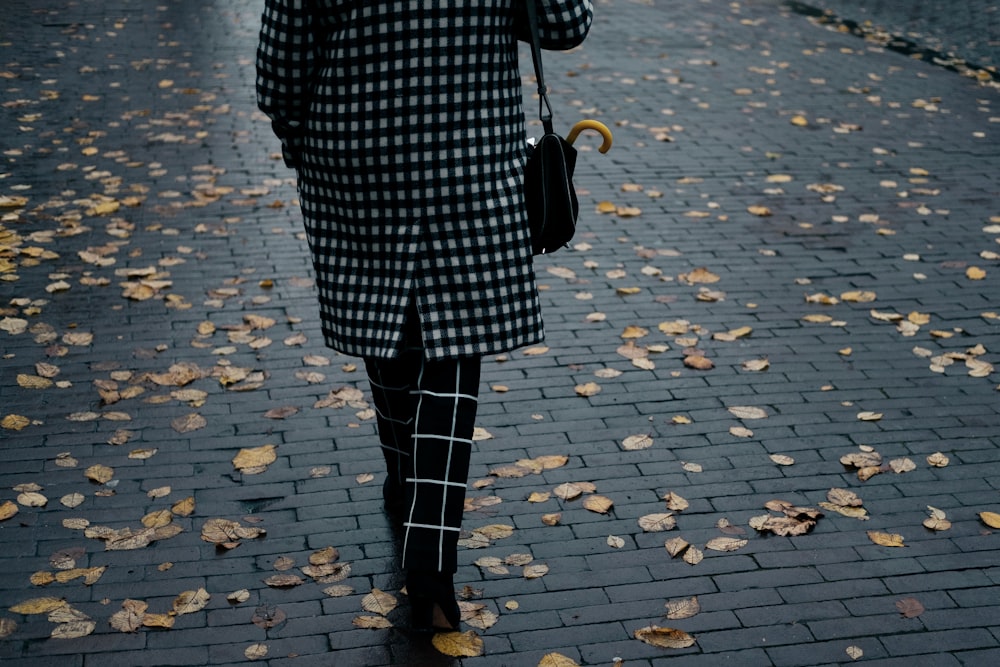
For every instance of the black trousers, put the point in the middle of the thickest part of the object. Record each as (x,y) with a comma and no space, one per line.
(426,413)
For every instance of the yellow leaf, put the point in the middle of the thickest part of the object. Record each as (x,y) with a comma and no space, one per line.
(606,207)
(535,571)
(371,622)
(598,504)
(15,422)
(700,275)
(676,546)
(189,602)
(184,507)
(458,644)
(675,502)
(7,510)
(378,602)
(975,273)
(657,522)
(854,652)
(100,474)
(38,606)
(782,460)
(858,297)
(255,651)
(556,660)
(664,637)
(255,459)
(886,539)
(991,519)
(157,519)
(760,211)
(698,362)
(552,519)
(588,389)
(158,621)
(800,121)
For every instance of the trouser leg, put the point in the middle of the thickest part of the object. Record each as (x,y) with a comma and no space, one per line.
(447,398)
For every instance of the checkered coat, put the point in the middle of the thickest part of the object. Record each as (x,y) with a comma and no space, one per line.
(403,120)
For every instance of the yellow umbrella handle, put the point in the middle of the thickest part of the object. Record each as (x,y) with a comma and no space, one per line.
(591,124)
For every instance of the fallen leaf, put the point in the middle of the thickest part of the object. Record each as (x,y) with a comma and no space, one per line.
(938,460)
(372,622)
(588,389)
(255,651)
(676,546)
(683,608)
(693,555)
(782,460)
(254,460)
(7,510)
(636,442)
(190,602)
(726,544)
(556,660)
(458,644)
(854,652)
(655,523)
(43,605)
(748,412)
(991,519)
(615,542)
(535,571)
(664,637)
(910,607)
(676,502)
(188,423)
(699,362)
(598,504)
(886,539)
(379,602)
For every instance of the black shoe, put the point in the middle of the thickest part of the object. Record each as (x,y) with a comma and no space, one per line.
(433,607)
(394,499)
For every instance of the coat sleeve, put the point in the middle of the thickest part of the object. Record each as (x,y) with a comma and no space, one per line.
(286,57)
(563,24)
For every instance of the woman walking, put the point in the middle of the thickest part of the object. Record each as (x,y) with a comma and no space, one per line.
(403,121)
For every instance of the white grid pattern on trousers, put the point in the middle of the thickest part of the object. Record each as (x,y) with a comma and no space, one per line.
(426,410)
(404,122)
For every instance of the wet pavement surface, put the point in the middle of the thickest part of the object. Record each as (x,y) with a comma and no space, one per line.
(783,302)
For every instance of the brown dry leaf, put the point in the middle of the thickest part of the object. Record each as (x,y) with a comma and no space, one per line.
(937,521)
(693,555)
(228,533)
(238,597)
(372,622)
(552,519)
(556,660)
(844,497)
(859,296)
(535,571)
(991,519)
(477,615)
(535,351)
(859,513)
(748,412)
(158,621)
(282,412)
(615,542)
(975,273)
(568,491)
(73,629)
(634,331)
(700,276)
(938,460)
(756,365)
(588,389)
(699,362)
(862,459)
(188,423)
(495,531)
(909,607)
(157,519)
(636,442)
(740,432)
(7,510)
(379,602)
(254,460)
(99,473)
(782,459)
(598,504)
(32,499)
(658,522)
(868,416)
(458,644)
(759,211)
(664,637)
(854,652)
(675,502)
(683,608)
(680,420)
(902,465)
(255,651)
(284,581)
(886,539)
(14,422)
(324,556)
(190,602)
(338,591)
(7,627)
(44,605)
(676,546)
(726,544)
(129,618)
(184,507)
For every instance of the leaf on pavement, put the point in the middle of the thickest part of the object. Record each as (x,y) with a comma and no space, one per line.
(657,522)
(190,602)
(255,460)
(378,602)
(886,539)
(458,644)
(682,608)
(910,607)
(664,637)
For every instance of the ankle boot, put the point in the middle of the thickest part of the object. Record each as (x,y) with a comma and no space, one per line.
(433,607)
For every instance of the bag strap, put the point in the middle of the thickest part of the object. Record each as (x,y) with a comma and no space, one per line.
(544,106)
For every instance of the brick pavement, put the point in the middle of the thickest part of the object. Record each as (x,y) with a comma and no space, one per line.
(879,172)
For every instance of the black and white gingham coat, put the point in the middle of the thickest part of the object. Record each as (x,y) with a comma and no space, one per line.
(403,119)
